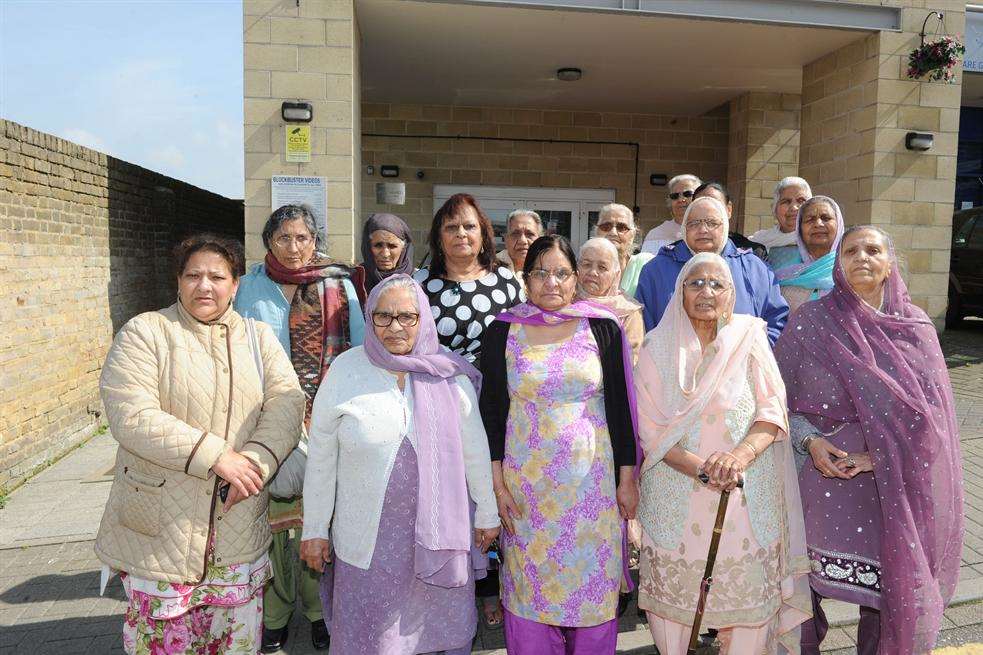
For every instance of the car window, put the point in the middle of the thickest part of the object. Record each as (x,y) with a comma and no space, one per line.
(962,236)
(976,238)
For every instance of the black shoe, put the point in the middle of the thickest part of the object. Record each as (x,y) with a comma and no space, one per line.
(319,635)
(274,639)
(624,599)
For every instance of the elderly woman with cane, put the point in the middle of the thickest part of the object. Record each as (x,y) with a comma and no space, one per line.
(711,403)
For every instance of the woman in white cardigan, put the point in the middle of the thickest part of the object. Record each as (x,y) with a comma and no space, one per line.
(397,447)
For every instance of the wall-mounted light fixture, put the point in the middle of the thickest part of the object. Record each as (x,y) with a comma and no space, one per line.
(297,112)
(921,141)
(658,179)
(569,74)
(389,171)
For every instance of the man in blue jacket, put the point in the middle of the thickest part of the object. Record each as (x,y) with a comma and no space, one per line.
(706,226)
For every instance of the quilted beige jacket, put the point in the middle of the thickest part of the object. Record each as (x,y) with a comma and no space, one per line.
(178,393)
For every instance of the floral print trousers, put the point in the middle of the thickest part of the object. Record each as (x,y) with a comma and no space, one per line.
(204,630)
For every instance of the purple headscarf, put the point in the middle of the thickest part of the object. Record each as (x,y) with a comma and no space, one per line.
(843,361)
(395,225)
(443,526)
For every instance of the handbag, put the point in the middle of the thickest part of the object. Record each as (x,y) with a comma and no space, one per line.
(288,481)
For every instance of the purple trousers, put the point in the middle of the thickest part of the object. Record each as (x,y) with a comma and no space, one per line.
(525,637)
(814,630)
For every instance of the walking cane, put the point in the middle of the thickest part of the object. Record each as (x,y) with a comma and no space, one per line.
(718,527)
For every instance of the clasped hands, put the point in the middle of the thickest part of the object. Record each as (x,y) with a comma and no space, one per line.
(243,475)
(833,462)
(725,468)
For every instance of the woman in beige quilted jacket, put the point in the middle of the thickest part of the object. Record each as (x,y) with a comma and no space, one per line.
(205,406)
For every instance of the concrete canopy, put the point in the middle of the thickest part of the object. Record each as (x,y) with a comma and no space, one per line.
(499,55)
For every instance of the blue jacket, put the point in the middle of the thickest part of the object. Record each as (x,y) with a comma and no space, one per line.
(261,298)
(757,289)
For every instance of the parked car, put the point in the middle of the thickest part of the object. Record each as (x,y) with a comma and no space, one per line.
(966,267)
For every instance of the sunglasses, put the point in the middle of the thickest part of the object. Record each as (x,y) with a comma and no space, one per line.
(715,286)
(675,195)
(619,227)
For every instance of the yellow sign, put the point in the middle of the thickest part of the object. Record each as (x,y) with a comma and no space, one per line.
(298,143)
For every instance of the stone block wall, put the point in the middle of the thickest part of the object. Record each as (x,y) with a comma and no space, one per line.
(301,51)
(763,149)
(668,144)
(86,244)
(857,106)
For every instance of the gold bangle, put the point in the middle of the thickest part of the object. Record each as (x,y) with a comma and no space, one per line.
(754,450)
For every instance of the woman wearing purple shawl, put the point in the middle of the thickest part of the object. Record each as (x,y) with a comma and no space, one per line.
(872,407)
(557,407)
(397,448)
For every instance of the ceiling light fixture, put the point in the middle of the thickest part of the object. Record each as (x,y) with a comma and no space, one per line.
(569,74)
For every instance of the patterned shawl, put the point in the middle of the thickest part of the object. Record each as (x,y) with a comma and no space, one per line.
(443,526)
(318,318)
(844,361)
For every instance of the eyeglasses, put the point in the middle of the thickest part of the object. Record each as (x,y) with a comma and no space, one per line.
(284,240)
(675,195)
(715,286)
(619,227)
(819,218)
(705,222)
(540,275)
(385,319)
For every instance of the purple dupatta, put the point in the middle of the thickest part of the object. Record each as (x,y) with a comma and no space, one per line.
(529,314)
(443,525)
(843,361)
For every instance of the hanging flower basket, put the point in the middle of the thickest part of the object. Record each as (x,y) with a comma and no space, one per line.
(936,61)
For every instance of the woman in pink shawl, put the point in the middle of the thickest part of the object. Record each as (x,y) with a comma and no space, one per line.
(872,411)
(710,399)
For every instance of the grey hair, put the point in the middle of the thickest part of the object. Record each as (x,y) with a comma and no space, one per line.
(617,208)
(716,204)
(399,282)
(785,183)
(525,212)
(600,243)
(684,177)
(292,213)
(896,257)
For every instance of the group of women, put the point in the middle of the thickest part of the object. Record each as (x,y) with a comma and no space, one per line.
(476,402)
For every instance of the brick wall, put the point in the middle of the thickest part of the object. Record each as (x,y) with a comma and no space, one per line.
(668,144)
(86,245)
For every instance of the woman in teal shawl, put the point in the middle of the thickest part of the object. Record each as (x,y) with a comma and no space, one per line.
(818,230)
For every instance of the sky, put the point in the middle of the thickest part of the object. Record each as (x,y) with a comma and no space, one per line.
(154,82)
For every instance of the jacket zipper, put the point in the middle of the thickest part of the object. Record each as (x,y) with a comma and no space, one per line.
(228,421)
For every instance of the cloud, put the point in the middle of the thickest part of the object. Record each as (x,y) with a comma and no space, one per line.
(85,138)
(169,159)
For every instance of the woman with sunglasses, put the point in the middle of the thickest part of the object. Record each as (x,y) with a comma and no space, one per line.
(682,190)
(616,223)
(397,450)
(555,402)
(466,286)
(756,291)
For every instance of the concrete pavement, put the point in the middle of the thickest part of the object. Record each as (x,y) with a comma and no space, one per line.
(49,576)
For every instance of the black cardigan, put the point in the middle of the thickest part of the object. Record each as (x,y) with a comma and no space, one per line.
(494,400)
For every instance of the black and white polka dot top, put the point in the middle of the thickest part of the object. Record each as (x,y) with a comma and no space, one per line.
(463,310)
